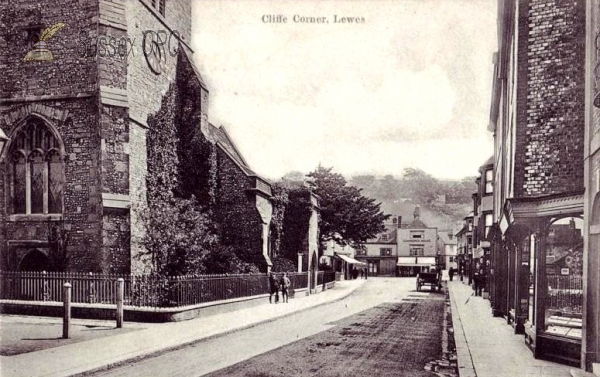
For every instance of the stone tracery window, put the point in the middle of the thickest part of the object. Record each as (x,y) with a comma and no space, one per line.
(36,171)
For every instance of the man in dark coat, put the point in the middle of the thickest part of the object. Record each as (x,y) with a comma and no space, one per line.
(274,288)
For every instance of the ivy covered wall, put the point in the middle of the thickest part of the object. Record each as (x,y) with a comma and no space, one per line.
(291,222)
(180,234)
(194,179)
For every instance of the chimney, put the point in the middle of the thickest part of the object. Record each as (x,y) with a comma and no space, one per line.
(399,221)
(417,212)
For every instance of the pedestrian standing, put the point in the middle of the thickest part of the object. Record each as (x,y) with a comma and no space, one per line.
(451,273)
(284,283)
(274,288)
(362,273)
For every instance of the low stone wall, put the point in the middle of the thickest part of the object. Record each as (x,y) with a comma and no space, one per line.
(134,314)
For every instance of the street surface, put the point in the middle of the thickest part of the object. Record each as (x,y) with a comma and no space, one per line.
(384,328)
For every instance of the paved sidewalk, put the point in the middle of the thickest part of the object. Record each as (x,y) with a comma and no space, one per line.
(100,353)
(486,346)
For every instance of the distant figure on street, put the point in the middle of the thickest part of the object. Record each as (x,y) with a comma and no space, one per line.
(451,273)
(478,282)
(274,285)
(366,273)
(285,284)
(362,273)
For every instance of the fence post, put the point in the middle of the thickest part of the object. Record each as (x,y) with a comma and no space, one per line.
(92,289)
(67,309)
(45,288)
(120,294)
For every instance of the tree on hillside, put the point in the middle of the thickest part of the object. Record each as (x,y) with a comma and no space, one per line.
(363,181)
(461,191)
(346,215)
(295,175)
(421,186)
(390,188)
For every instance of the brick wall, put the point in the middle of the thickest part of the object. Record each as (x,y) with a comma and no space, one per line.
(596,77)
(549,155)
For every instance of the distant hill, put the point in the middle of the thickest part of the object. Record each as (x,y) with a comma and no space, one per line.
(444,204)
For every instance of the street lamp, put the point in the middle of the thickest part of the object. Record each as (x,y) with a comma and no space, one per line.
(3,140)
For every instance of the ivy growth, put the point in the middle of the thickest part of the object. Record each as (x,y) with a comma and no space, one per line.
(179,235)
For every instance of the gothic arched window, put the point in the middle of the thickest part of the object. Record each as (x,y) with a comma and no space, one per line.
(36,172)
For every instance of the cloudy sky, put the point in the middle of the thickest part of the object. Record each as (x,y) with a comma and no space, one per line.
(409,87)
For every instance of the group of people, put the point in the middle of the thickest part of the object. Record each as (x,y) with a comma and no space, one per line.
(362,271)
(478,279)
(275,285)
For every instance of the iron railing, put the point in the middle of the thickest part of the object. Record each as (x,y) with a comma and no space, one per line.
(324,277)
(140,290)
(565,293)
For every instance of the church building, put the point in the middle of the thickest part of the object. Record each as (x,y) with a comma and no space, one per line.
(88,89)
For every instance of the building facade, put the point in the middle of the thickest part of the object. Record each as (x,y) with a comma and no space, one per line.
(537,118)
(83,127)
(464,246)
(482,221)
(381,253)
(417,246)
(447,250)
(590,342)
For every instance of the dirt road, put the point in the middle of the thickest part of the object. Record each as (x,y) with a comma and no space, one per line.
(392,339)
(384,328)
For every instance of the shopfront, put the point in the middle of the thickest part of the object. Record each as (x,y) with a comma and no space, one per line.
(544,251)
(411,266)
(347,266)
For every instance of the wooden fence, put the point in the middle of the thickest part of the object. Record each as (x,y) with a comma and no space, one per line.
(142,290)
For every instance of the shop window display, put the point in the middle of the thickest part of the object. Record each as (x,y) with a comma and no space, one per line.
(564,278)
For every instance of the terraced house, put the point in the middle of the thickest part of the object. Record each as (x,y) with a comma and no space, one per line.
(417,246)
(544,254)
(381,253)
(109,113)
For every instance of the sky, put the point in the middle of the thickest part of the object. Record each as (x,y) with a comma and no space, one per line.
(409,87)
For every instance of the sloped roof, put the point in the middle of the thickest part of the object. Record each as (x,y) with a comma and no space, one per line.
(391,237)
(417,224)
(194,68)
(223,140)
(462,231)
(445,238)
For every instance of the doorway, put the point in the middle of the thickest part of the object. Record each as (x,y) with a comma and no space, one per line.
(34,260)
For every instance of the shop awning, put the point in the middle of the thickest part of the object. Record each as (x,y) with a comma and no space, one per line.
(348,259)
(415,261)
(407,261)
